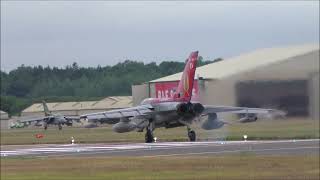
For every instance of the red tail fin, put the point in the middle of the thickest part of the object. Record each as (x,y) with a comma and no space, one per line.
(186,83)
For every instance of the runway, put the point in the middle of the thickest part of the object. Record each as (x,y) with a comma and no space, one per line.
(280,147)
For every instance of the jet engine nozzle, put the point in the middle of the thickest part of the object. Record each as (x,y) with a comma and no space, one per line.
(189,108)
(198,108)
(182,108)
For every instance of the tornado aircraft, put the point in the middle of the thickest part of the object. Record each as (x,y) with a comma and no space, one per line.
(51,119)
(172,112)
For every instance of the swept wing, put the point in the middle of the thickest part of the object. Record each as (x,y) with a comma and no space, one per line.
(146,111)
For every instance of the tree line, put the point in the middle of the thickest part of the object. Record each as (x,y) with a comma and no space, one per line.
(26,85)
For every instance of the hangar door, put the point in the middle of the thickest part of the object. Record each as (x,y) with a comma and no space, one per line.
(290,96)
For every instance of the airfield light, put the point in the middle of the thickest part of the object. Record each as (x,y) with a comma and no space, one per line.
(245,137)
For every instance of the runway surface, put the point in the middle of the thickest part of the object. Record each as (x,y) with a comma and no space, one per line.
(281,147)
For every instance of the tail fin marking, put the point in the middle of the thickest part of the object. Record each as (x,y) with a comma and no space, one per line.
(185,85)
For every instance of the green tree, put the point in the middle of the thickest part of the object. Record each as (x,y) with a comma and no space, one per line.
(25,85)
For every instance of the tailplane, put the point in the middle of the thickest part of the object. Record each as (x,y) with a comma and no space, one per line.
(46,109)
(185,86)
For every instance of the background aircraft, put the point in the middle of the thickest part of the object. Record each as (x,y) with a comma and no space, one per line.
(18,124)
(51,119)
(173,112)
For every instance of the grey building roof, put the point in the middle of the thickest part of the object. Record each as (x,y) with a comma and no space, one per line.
(247,62)
(114,102)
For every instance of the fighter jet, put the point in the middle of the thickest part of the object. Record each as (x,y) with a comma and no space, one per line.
(51,119)
(172,112)
(17,125)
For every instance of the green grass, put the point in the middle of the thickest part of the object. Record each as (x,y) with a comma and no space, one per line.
(277,129)
(269,129)
(139,168)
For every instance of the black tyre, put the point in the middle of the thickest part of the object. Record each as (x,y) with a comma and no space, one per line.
(192,136)
(60,126)
(149,137)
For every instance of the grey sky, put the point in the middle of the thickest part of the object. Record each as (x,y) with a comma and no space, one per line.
(91,33)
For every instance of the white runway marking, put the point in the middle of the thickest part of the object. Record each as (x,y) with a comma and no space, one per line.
(233,151)
(88,148)
(111,148)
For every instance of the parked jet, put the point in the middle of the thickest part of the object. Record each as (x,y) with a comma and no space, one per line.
(172,112)
(51,119)
(17,125)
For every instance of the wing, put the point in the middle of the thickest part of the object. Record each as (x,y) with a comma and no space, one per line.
(214,123)
(113,116)
(209,109)
(36,119)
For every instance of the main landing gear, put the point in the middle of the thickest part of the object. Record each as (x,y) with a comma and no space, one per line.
(149,138)
(191,135)
(149,134)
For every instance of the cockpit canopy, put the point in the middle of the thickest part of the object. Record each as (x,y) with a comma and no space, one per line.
(146,101)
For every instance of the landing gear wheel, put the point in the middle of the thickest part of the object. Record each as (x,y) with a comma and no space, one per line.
(45,127)
(149,136)
(60,126)
(192,136)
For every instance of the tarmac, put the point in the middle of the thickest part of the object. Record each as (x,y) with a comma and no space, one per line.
(158,149)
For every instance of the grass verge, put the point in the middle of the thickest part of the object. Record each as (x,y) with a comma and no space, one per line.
(238,166)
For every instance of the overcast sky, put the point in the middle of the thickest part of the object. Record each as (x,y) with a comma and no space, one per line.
(91,33)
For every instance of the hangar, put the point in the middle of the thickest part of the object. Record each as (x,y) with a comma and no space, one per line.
(4,119)
(81,107)
(285,78)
